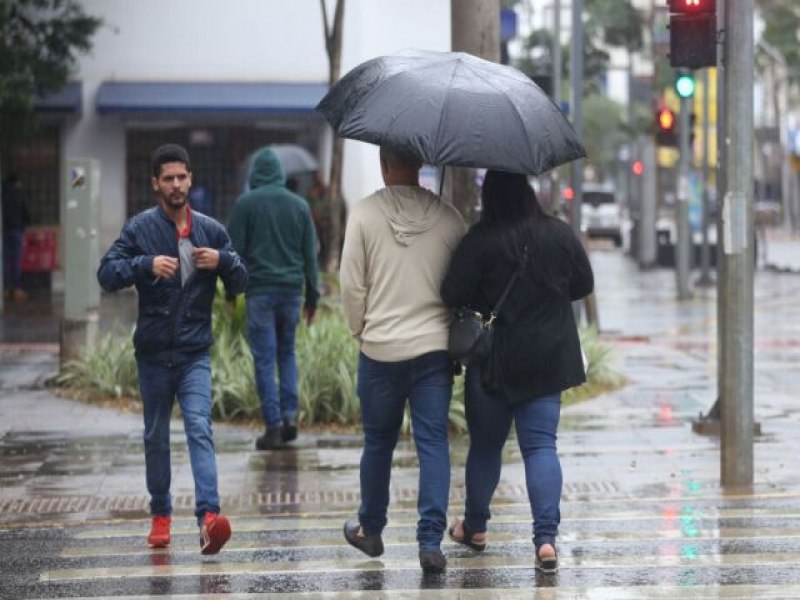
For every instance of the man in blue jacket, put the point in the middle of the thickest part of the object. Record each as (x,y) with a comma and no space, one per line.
(173,256)
(271,228)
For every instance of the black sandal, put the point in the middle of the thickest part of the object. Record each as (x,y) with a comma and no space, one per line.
(466,540)
(547,565)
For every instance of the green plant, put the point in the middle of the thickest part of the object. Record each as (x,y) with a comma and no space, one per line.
(327,358)
(107,370)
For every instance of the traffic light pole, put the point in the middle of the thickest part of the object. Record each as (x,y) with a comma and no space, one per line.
(705,278)
(735,287)
(683,243)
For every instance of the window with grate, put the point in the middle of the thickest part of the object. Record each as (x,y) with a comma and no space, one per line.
(218,154)
(35,159)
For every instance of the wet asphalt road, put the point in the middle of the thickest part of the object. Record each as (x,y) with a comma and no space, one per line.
(643,514)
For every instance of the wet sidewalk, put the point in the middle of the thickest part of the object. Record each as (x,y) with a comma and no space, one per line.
(642,508)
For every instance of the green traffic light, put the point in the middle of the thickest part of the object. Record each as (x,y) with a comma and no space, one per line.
(684,85)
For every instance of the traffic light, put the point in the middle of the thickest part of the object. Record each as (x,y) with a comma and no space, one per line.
(665,128)
(692,33)
(684,85)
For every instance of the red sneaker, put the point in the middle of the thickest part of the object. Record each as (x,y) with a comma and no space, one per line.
(214,532)
(159,531)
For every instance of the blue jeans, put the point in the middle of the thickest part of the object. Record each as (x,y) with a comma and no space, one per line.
(12,257)
(271,324)
(383,388)
(159,384)
(489,422)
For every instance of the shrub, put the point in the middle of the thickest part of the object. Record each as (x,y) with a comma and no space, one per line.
(327,357)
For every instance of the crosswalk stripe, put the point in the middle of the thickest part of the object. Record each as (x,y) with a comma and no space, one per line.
(320,522)
(495,538)
(494,563)
(726,592)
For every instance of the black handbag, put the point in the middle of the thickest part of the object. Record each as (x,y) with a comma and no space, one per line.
(470,337)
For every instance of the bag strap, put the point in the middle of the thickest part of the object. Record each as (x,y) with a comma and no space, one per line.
(509,285)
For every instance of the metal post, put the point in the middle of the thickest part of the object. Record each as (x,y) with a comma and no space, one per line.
(576,87)
(737,257)
(647,208)
(555,180)
(2,257)
(683,244)
(705,278)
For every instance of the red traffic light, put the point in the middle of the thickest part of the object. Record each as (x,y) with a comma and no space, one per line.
(666,119)
(637,167)
(692,7)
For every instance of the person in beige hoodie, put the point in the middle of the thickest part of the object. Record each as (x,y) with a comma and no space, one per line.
(397,247)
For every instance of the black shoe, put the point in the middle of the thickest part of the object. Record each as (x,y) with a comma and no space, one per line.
(271,440)
(289,430)
(432,561)
(371,545)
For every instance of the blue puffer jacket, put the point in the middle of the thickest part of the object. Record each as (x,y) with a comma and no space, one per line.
(174,322)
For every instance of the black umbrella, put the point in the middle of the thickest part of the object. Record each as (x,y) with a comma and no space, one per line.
(451,108)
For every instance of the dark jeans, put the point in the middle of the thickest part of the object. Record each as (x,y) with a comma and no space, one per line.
(12,258)
(489,422)
(383,388)
(191,383)
(272,321)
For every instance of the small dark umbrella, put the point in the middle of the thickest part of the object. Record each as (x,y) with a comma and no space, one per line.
(451,108)
(294,158)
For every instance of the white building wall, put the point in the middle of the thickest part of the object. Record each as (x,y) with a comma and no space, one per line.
(237,40)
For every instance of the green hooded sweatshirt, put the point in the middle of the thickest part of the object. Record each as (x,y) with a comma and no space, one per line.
(272,230)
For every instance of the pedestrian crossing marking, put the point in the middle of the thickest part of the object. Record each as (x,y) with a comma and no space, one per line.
(495,538)
(670,592)
(481,561)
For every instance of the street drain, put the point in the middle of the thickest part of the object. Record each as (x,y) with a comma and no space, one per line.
(327,498)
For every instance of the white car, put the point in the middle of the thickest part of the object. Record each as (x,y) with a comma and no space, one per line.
(601,214)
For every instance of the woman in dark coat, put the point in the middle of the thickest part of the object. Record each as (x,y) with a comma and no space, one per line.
(536,350)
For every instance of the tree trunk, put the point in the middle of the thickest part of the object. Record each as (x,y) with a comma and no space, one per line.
(333,195)
(335,205)
(475,29)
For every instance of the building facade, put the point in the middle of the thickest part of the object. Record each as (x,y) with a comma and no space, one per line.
(222,78)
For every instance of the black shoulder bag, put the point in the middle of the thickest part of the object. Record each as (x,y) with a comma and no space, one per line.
(470,338)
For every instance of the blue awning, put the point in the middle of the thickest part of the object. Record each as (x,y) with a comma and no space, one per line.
(68,100)
(184,97)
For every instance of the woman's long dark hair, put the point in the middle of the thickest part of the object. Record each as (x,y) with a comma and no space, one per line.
(511,210)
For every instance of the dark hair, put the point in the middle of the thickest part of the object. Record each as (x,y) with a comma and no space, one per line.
(508,198)
(511,210)
(402,157)
(169,153)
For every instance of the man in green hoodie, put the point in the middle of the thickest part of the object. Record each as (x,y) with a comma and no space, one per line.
(272,230)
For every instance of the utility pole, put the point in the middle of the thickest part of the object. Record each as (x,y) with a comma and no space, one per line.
(475,29)
(576,109)
(555,180)
(647,249)
(683,245)
(735,289)
(705,278)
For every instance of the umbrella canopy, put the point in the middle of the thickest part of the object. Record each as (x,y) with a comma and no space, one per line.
(294,158)
(451,108)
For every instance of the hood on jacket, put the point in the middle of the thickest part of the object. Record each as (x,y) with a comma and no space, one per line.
(266,170)
(410,211)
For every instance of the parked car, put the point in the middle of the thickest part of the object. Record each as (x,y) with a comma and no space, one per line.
(601,214)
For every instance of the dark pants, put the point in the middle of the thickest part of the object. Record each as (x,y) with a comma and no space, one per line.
(12,258)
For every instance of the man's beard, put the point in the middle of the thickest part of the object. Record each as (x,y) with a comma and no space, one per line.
(176,200)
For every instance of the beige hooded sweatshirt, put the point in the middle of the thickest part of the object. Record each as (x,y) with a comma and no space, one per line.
(397,247)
